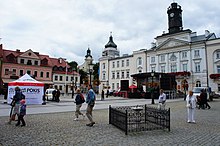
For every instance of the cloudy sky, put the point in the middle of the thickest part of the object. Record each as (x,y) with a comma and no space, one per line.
(66,28)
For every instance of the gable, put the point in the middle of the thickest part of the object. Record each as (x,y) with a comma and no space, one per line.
(170,43)
(29,54)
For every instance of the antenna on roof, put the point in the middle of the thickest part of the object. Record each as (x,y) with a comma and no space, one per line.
(110,33)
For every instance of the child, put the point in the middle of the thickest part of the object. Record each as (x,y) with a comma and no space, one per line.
(22,113)
(79,100)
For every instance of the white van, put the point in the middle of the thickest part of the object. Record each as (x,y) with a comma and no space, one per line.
(48,94)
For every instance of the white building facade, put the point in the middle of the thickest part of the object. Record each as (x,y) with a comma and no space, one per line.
(191,57)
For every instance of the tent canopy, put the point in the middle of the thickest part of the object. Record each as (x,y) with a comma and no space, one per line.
(31,88)
(25,79)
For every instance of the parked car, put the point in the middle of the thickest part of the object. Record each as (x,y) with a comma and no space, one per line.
(48,94)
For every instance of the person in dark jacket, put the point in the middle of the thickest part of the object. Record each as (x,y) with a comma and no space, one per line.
(102,95)
(79,100)
(22,113)
(16,103)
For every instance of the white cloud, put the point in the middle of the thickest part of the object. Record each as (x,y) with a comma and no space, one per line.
(65,28)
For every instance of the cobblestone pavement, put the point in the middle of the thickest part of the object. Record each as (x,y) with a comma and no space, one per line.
(61,129)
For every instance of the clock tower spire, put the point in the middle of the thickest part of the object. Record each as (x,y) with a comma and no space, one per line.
(175,18)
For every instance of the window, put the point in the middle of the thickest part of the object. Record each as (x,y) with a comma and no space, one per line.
(103,76)
(117,63)
(218,87)
(60,87)
(29,72)
(117,75)
(127,74)
(218,54)
(184,54)
(218,69)
(162,58)
(61,78)
(103,66)
(196,53)
(21,72)
(198,84)
(113,75)
(48,75)
(41,74)
(35,73)
(29,62)
(184,67)
(113,64)
(113,86)
(14,71)
(122,63)
(162,69)
(122,75)
(67,78)
(173,68)
(22,61)
(127,62)
(139,61)
(117,85)
(152,59)
(35,62)
(197,67)
(6,71)
(152,68)
(56,78)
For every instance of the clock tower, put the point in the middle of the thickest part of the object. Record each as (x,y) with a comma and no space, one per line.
(175,18)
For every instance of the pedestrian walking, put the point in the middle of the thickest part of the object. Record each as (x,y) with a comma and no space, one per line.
(16,104)
(107,93)
(22,114)
(102,95)
(79,100)
(90,100)
(191,106)
(206,105)
(162,100)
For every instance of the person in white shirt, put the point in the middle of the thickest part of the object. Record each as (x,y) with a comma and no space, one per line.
(191,106)
(162,100)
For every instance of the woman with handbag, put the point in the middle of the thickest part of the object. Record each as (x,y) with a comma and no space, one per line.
(191,101)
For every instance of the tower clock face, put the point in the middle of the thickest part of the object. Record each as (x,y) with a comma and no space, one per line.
(171,14)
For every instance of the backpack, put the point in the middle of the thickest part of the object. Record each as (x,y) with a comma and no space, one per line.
(82,98)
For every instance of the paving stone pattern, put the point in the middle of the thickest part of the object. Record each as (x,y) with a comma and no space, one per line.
(61,129)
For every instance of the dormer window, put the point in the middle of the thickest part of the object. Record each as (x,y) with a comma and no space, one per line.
(22,61)
(29,62)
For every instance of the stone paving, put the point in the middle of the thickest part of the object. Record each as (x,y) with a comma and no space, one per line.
(61,129)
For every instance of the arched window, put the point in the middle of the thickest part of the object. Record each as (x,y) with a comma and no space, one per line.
(198,84)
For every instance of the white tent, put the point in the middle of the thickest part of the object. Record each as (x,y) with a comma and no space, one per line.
(31,88)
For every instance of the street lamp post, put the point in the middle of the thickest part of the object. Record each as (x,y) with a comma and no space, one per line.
(152,89)
(90,73)
(73,83)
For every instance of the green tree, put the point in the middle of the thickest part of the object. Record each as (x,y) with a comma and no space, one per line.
(73,65)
